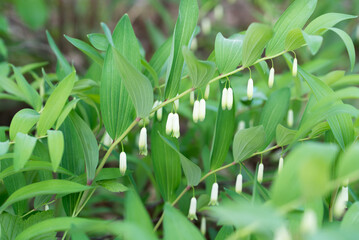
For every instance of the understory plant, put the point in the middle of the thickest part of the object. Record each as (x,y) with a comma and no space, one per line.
(231,147)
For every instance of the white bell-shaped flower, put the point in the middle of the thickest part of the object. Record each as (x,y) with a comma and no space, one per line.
(224,98)
(202,110)
(195,113)
(282,233)
(309,222)
(169,124)
(271,78)
(46,208)
(142,142)
(191,97)
(192,209)
(290,118)
(194,44)
(218,12)
(203,226)
(214,195)
(250,89)
(206,25)
(107,140)
(239,183)
(206,92)
(241,125)
(260,173)
(280,164)
(123,163)
(229,99)
(295,67)
(341,202)
(176,104)
(159,113)
(176,126)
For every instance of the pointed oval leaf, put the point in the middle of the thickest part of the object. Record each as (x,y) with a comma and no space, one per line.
(55,140)
(23,121)
(65,112)
(321,24)
(98,40)
(24,145)
(228,53)
(284,136)
(86,49)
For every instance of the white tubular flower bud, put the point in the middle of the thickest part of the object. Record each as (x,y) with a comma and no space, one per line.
(159,113)
(203,225)
(340,202)
(218,12)
(191,98)
(194,44)
(345,191)
(142,142)
(206,92)
(169,124)
(107,140)
(195,111)
(309,222)
(214,195)
(271,78)
(46,207)
(192,209)
(206,26)
(260,173)
(154,106)
(202,110)
(176,126)
(250,89)
(229,98)
(123,163)
(239,183)
(176,104)
(290,118)
(280,164)
(224,98)
(295,67)
(282,234)
(241,125)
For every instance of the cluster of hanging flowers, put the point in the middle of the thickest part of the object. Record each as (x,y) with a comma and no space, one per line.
(199,110)
(227,98)
(172,125)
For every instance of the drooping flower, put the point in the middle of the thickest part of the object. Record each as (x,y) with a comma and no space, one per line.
(241,125)
(282,233)
(159,113)
(176,104)
(229,98)
(195,114)
(290,118)
(214,195)
(239,183)
(295,67)
(176,126)
(206,25)
(192,209)
(206,92)
(224,98)
(123,163)
(341,202)
(169,124)
(280,164)
(250,89)
(271,78)
(194,44)
(202,110)
(191,98)
(107,140)
(260,173)
(218,12)
(46,207)
(142,142)
(309,222)
(203,225)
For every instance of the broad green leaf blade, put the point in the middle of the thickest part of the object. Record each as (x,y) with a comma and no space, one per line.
(200,72)
(24,145)
(135,212)
(228,53)
(32,166)
(150,73)
(185,26)
(113,185)
(191,170)
(321,24)
(54,186)
(26,8)
(65,112)
(55,140)
(23,121)
(10,86)
(166,162)
(348,93)
(273,113)
(348,165)
(351,217)
(177,226)
(256,38)
(55,104)
(223,133)
(295,16)
(294,39)
(160,57)
(248,141)
(313,41)
(224,232)
(4,147)
(86,49)
(284,136)
(29,93)
(308,169)
(348,44)
(98,40)
(10,226)
(138,86)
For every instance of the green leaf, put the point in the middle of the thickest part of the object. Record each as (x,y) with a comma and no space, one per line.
(160,57)
(191,170)
(10,226)
(351,217)
(55,140)
(65,112)
(200,72)
(138,86)
(166,162)
(23,121)
(314,42)
(223,133)
(321,24)
(32,166)
(248,141)
(177,226)
(55,104)
(224,232)
(273,113)
(348,44)
(29,93)
(228,53)
(113,185)
(86,49)
(348,93)
(11,87)
(284,136)
(256,38)
(185,26)
(98,40)
(4,147)
(297,38)
(348,164)
(295,16)
(24,145)
(26,9)
(54,186)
